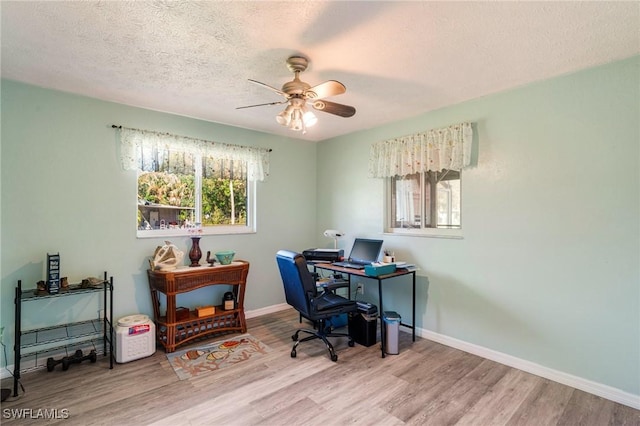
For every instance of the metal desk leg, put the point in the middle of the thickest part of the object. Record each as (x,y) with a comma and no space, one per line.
(382,331)
(18,334)
(413,321)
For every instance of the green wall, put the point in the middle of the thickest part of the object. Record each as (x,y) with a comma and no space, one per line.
(548,269)
(63,190)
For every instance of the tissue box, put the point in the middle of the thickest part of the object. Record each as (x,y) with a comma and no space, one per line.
(377,270)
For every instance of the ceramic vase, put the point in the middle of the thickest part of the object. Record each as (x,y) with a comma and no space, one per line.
(195,254)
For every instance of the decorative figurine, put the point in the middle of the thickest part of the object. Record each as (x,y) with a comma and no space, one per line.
(210,261)
(166,257)
(64,284)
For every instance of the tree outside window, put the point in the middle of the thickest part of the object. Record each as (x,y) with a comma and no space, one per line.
(178,190)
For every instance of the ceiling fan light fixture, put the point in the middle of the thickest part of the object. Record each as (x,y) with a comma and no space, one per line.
(309,119)
(297,116)
(283,118)
(297,123)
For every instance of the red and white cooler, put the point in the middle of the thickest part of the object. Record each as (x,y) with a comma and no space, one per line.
(135,338)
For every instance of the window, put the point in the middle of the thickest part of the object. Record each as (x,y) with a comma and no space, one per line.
(184,191)
(423,179)
(184,183)
(424,200)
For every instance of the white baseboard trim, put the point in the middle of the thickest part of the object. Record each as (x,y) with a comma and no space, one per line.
(6,374)
(599,389)
(267,310)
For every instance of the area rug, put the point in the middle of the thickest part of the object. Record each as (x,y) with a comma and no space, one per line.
(215,356)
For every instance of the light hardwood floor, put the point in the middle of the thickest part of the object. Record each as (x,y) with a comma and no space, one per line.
(426,384)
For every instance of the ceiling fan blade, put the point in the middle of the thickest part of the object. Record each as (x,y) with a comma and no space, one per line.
(278,91)
(326,89)
(268,103)
(334,108)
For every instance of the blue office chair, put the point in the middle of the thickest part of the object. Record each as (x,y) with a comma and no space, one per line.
(301,293)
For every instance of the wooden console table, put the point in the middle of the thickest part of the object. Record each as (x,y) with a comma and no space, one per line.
(172,332)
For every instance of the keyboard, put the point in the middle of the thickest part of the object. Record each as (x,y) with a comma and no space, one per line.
(349,265)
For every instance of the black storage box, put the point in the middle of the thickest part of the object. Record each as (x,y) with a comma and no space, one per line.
(363,324)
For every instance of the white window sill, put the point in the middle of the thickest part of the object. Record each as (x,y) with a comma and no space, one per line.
(218,230)
(427,232)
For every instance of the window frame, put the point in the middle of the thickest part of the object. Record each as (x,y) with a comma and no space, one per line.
(248,228)
(423,231)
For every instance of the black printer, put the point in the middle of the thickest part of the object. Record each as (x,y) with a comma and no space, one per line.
(323,255)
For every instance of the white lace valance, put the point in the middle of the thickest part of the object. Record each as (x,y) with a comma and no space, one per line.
(139,145)
(432,150)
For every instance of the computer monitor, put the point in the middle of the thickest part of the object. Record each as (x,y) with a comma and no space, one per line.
(365,251)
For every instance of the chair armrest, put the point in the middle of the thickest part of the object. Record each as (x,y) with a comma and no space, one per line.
(332,285)
(330,303)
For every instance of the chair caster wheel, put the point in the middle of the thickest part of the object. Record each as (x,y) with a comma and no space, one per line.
(294,337)
(293,353)
(334,357)
(351,343)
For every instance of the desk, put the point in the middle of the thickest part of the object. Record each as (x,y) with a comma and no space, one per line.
(172,332)
(360,273)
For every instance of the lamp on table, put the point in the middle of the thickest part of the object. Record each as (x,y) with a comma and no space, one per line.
(332,233)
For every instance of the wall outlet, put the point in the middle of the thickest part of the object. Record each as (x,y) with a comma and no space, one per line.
(101,314)
(360,289)
(2,335)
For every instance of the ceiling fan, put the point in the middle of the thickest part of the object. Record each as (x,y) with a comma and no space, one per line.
(296,92)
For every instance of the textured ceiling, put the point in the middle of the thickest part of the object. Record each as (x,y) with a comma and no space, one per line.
(397,59)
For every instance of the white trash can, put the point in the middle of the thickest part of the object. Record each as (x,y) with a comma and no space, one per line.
(392,330)
(135,338)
